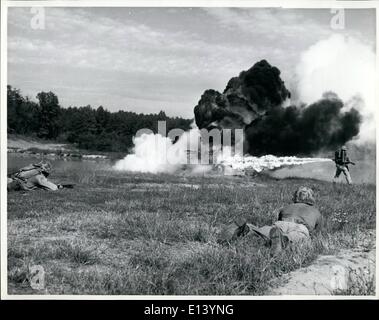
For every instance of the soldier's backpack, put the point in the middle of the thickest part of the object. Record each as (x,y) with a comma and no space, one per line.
(32,170)
(340,156)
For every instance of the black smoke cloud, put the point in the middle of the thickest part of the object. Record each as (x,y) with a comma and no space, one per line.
(245,98)
(254,101)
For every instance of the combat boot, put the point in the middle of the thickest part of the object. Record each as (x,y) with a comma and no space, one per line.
(278,241)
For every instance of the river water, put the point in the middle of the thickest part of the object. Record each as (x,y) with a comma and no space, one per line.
(18,160)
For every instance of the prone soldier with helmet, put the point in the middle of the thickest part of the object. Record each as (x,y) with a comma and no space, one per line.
(296,223)
(33,176)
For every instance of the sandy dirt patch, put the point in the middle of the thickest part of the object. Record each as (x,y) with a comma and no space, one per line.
(326,275)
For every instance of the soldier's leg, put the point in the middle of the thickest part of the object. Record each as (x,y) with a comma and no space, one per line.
(262,232)
(231,232)
(237,229)
(347,176)
(337,174)
(294,231)
(286,233)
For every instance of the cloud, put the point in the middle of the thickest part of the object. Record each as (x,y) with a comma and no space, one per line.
(74,37)
(346,66)
(151,54)
(272,23)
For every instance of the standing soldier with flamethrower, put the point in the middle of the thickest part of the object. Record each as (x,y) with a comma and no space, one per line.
(342,160)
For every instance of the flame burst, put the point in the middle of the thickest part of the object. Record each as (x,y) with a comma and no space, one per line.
(267,162)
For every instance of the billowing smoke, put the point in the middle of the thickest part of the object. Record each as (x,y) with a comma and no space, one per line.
(303,130)
(246,98)
(345,66)
(257,100)
(334,103)
(155,153)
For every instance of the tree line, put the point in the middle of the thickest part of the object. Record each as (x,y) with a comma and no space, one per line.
(86,127)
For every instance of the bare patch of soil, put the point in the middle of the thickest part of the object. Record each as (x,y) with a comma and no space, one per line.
(328,275)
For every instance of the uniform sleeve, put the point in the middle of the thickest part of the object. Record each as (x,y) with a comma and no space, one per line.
(46,184)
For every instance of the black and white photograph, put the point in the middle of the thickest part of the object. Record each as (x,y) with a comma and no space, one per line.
(222,149)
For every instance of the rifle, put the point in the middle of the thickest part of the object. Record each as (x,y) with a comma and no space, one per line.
(346,162)
(66,185)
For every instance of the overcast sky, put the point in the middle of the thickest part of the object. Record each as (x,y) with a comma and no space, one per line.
(152,59)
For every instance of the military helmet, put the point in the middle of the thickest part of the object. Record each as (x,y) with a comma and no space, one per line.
(304,195)
(343,148)
(44,167)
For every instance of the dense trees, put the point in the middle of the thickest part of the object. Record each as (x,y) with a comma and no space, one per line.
(22,113)
(88,128)
(49,114)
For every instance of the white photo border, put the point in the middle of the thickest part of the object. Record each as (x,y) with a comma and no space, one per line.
(5,4)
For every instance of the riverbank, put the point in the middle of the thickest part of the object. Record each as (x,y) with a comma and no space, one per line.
(53,150)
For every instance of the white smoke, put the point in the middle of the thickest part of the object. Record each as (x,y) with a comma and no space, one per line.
(155,153)
(345,66)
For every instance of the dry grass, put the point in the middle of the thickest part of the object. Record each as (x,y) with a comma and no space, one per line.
(359,283)
(155,234)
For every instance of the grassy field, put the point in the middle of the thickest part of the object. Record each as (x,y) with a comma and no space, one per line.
(158,234)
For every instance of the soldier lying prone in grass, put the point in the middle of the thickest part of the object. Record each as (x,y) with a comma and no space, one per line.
(296,222)
(33,177)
